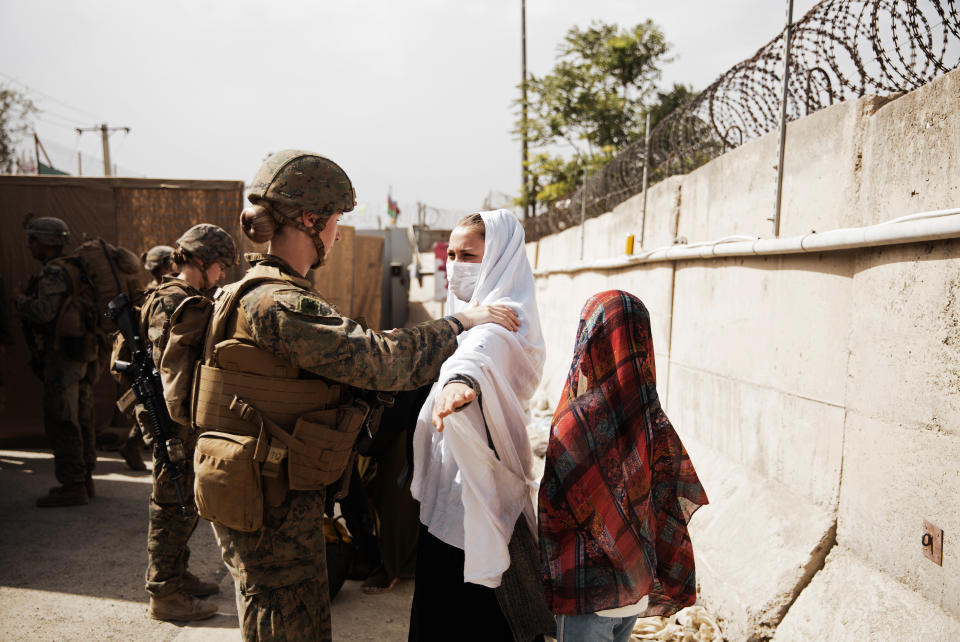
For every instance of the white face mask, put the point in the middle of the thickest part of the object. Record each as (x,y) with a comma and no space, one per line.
(463,278)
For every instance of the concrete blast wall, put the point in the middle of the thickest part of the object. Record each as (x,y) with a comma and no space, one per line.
(818,394)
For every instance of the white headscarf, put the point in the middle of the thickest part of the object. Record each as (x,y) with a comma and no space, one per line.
(468,497)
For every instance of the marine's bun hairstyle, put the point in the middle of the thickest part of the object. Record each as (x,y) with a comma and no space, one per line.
(261,220)
(257,223)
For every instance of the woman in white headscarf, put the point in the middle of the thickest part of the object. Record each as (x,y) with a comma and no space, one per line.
(472,459)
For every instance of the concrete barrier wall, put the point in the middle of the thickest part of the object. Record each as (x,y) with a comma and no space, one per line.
(818,394)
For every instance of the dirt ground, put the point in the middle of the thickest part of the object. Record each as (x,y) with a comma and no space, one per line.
(77,573)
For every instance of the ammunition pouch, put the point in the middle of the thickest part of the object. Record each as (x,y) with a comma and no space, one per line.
(228,489)
(291,434)
(325,446)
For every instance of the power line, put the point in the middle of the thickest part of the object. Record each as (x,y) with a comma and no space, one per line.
(47,96)
(70,126)
(69,119)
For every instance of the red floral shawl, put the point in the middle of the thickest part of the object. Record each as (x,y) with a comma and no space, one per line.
(618,488)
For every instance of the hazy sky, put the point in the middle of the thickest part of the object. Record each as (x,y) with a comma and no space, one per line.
(415,94)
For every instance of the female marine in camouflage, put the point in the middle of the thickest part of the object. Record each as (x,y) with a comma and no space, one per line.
(280,327)
(203,254)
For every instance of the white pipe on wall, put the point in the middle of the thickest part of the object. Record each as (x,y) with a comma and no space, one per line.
(913,228)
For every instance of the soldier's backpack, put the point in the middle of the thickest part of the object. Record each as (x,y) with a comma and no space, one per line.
(82,322)
(187,331)
(100,261)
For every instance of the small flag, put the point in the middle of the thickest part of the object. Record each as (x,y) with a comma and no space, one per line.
(393,210)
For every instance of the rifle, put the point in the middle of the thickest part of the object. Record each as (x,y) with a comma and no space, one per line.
(149,390)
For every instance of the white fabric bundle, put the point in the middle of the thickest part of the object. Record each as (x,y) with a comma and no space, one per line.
(469,498)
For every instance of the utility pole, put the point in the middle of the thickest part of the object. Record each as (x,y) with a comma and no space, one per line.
(105,141)
(787,35)
(583,211)
(38,146)
(646,183)
(528,207)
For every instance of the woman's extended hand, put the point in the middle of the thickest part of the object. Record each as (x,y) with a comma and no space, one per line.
(452,396)
(501,314)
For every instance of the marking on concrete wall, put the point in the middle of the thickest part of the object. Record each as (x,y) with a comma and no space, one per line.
(932,542)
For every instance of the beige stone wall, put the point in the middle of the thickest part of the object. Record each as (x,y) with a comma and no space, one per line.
(819,394)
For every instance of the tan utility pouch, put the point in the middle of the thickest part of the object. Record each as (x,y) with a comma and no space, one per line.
(228,487)
(326,440)
(70,320)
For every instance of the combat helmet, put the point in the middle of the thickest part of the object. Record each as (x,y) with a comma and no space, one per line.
(209,243)
(303,180)
(47,230)
(156,257)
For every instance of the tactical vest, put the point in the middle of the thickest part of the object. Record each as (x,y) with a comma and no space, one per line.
(152,294)
(252,406)
(142,306)
(234,365)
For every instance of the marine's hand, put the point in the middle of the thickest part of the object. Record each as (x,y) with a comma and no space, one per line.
(452,396)
(501,314)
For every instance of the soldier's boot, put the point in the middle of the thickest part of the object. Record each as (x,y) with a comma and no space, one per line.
(66,495)
(193,585)
(91,489)
(180,607)
(132,455)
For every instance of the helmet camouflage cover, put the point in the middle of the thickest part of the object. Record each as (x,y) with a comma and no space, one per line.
(156,256)
(48,230)
(209,243)
(303,180)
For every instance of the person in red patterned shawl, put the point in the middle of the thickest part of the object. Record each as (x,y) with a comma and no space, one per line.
(618,488)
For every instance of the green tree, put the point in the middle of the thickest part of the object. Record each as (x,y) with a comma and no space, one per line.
(15,111)
(667,101)
(591,104)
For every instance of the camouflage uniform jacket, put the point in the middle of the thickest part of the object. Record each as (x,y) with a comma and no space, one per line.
(291,321)
(158,305)
(40,306)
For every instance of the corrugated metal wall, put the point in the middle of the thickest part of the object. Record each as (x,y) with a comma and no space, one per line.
(135,213)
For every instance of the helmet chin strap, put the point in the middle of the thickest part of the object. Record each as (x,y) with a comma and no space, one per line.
(321,250)
(312,232)
(206,285)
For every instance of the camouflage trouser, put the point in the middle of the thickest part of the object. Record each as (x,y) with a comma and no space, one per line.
(280,572)
(169,530)
(68,416)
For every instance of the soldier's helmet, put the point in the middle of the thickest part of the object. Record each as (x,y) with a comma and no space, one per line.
(209,243)
(48,230)
(304,180)
(157,256)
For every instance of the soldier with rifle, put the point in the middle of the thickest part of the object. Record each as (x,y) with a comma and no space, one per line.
(158,261)
(202,256)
